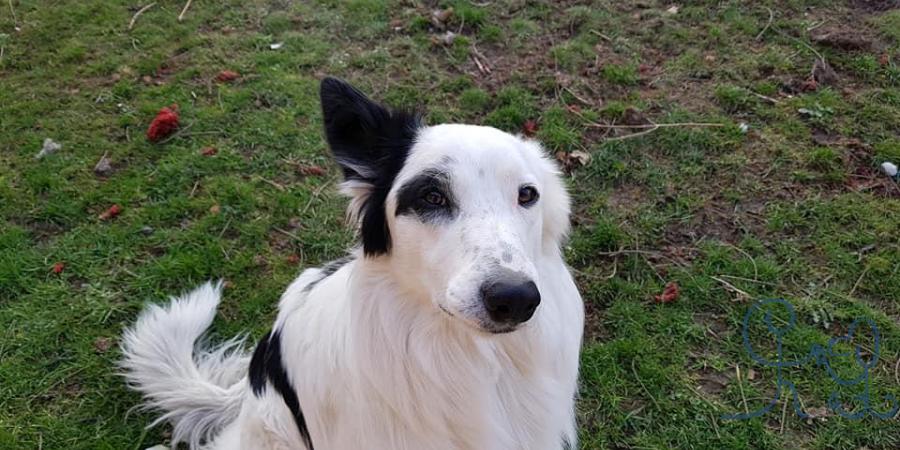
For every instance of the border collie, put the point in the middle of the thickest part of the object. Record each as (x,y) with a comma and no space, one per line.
(454,325)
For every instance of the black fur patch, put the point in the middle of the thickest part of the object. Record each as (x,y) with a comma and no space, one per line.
(266,367)
(328,270)
(410,197)
(371,144)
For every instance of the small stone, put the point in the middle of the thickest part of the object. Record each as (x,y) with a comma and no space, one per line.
(146,231)
(102,344)
(50,147)
(103,167)
(889,169)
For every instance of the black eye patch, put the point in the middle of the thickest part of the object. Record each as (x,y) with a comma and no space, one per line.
(427,196)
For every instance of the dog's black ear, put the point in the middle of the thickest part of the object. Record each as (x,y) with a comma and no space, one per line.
(364,136)
(370,142)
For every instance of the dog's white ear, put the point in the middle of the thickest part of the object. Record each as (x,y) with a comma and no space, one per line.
(370,142)
(556,203)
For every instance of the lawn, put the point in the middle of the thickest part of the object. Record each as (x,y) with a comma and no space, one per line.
(764,183)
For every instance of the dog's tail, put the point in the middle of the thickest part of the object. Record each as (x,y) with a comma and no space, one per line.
(199,390)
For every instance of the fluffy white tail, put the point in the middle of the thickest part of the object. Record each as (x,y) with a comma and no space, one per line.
(199,390)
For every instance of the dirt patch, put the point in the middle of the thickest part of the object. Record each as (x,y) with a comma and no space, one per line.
(843,38)
(626,197)
(41,231)
(875,5)
(863,176)
(594,330)
(711,382)
(715,324)
(718,221)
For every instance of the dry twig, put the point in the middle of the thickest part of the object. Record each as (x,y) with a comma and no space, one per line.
(768,24)
(732,287)
(737,368)
(138,14)
(480,61)
(184,10)
(15,19)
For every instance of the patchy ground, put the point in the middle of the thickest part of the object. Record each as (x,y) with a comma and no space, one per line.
(763,181)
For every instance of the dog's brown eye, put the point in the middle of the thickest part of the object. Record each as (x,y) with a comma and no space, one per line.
(527,195)
(435,198)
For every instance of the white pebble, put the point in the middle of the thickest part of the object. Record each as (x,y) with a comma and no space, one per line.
(276,45)
(889,168)
(744,127)
(50,147)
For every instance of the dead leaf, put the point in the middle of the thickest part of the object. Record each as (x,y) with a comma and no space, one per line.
(445,39)
(111,212)
(529,128)
(672,9)
(215,209)
(581,157)
(102,344)
(227,76)
(809,85)
(293,259)
(440,17)
(310,170)
(58,267)
(669,293)
(209,151)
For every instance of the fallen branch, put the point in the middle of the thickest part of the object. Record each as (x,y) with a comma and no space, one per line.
(184,10)
(15,19)
(732,287)
(632,135)
(597,33)
(764,97)
(270,183)
(768,24)
(858,280)
(657,125)
(809,47)
(577,97)
(482,65)
(737,369)
(137,14)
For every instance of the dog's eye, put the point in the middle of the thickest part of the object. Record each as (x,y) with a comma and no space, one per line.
(527,195)
(435,198)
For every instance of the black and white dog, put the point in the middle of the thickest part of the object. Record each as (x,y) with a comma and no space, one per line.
(455,325)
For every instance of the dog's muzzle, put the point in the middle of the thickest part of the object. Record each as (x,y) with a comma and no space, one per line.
(510,300)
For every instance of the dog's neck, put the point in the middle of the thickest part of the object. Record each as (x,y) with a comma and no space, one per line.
(413,354)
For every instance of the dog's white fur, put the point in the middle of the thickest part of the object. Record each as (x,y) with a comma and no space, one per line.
(391,351)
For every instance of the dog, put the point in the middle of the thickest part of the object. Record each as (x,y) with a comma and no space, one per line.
(454,324)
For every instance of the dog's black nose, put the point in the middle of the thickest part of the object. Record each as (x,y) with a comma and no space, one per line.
(511,301)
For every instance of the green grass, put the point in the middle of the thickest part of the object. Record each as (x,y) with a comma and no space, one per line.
(777,212)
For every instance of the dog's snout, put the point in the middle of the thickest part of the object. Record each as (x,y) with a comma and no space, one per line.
(511,301)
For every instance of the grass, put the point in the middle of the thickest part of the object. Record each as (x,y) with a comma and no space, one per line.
(794,208)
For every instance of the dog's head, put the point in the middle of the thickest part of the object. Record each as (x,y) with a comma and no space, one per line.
(461,214)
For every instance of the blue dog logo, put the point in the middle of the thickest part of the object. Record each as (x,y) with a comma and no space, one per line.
(818,355)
